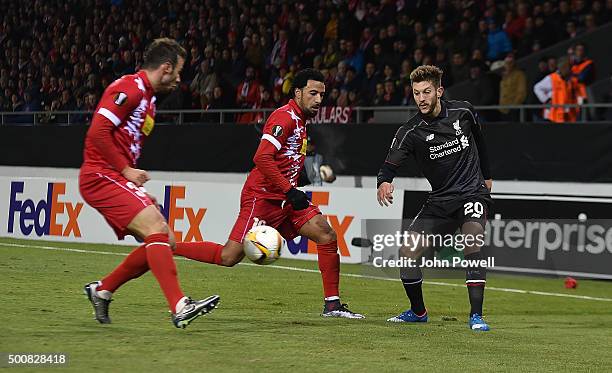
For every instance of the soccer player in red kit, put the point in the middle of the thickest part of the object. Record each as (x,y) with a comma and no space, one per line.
(110,182)
(270,197)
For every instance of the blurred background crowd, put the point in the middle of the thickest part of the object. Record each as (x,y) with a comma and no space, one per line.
(60,55)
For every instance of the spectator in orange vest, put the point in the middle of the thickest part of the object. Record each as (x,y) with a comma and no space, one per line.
(583,71)
(558,88)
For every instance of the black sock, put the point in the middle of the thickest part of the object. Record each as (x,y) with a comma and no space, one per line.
(414,291)
(475,279)
(412,279)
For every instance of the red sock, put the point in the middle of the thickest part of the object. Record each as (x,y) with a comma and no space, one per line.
(159,256)
(202,251)
(135,265)
(329,265)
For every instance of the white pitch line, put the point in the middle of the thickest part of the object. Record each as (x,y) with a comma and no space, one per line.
(296,269)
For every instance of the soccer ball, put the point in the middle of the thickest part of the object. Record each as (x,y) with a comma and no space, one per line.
(263,244)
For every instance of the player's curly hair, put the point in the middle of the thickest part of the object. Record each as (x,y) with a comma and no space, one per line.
(163,50)
(302,77)
(427,73)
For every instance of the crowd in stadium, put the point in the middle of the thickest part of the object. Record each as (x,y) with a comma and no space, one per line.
(60,55)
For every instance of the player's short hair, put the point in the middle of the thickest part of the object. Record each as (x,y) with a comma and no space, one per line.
(302,77)
(163,50)
(427,73)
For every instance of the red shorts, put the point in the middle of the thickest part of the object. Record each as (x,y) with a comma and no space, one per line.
(116,198)
(274,213)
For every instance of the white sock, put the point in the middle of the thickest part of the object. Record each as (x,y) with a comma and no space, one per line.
(329,299)
(104,294)
(180,304)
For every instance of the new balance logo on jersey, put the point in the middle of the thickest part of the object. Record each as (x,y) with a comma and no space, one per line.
(464,142)
(457,128)
(429,137)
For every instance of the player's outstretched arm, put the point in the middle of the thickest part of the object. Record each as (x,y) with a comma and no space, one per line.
(384,180)
(401,148)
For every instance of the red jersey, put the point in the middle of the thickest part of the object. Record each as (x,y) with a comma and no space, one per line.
(122,120)
(285,129)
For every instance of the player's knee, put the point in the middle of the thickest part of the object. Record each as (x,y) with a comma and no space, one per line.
(149,221)
(160,226)
(471,250)
(229,260)
(472,228)
(332,236)
(326,235)
(412,248)
(411,252)
(171,239)
(230,256)
(474,231)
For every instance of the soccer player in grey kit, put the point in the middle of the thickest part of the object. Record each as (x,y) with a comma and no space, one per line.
(445,139)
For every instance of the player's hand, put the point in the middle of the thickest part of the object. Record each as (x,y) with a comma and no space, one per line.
(327,174)
(385,194)
(489,184)
(298,199)
(136,176)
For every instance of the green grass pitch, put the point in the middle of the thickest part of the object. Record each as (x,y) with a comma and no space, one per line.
(269,320)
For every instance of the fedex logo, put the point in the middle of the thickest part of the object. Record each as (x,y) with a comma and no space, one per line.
(173,213)
(42,217)
(340,226)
